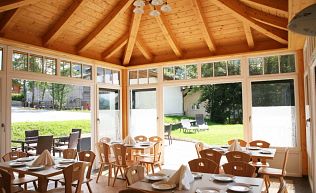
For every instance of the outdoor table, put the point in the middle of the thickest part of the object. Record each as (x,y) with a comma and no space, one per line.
(23,142)
(206,181)
(137,147)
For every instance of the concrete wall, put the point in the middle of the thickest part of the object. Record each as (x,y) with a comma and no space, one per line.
(173,101)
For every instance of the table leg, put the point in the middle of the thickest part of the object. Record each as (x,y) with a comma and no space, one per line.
(42,184)
(22,146)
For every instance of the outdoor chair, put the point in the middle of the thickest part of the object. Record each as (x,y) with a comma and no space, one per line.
(239,169)
(153,160)
(104,151)
(241,142)
(233,156)
(203,165)
(43,143)
(186,126)
(73,143)
(212,155)
(168,129)
(134,174)
(199,118)
(31,137)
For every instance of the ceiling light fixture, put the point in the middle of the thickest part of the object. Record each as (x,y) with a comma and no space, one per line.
(140,4)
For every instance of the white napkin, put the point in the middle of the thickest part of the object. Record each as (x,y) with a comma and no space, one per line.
(45,159)
(183,177)
(129,140)
(235,146)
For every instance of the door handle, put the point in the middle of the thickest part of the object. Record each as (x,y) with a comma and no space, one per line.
(3,126)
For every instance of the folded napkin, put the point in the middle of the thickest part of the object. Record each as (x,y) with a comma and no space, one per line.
(129,140)
(45,159)
(183,177)
(235,146)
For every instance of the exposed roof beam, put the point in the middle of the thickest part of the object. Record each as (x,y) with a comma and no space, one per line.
(239,10)
(248,35)
(108,53)
(203,25)
(105,23)
(278,5)
(7,17)
(267,18)
(6,5)
(143,49)
(53,32)
(132,38)
(166,31)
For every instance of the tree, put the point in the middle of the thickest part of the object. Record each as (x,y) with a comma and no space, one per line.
(59,93)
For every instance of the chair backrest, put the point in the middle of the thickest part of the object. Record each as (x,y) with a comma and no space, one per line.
(185,123)
(199,146)
(157,151)
(259,143)
(134,174)
(239,169)
(286,155)
(212,155)
(77,130)
(69,153)
(13,155)
(31,134)
(87,156)
(105,140)
(199,119)
(155,139)
(168,128)
(5,181)
(237,156)
(120,154)
(72,173)
(282,187)
(129,190)
(73,140)
(242,143)
(104,151)
(140,138)
(44,142)
(203,165)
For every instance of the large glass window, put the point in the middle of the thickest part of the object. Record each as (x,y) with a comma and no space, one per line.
(274,113)
(108,76)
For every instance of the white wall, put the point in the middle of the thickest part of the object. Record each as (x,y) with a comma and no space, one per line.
(173,101)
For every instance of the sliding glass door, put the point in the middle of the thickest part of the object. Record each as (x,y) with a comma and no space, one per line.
(109,114)
(2,119)
(143,112)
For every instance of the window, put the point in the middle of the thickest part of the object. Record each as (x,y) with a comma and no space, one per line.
(255,66)
(168,73)
(133,77)
(108,76)
(153,75)
(87,72)
(116,77)
(50,66)
(1,59)
(76,70)
(233,67)
(142,77)
(19,61)
(100,74)
(287,63)
(271,65)
(65,68)
(207,70)
(220,68)
(191,71)
(179,72)
(36,64)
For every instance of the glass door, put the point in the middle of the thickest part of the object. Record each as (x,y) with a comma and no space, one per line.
(273,112)
(2,119)
(109,114)
(143,112)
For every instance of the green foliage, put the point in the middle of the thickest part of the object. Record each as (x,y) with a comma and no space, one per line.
(175,118)
(59,92)
(17,97)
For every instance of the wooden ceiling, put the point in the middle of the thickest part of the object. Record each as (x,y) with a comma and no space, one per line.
(108,30)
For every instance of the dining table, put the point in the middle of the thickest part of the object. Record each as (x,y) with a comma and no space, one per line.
(204,182)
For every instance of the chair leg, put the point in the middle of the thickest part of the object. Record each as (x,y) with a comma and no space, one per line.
(34,184)
(89,188)
(115,175)
(152,168)
(110,174)
(56,184)
(25,186)
(266,182)
(100,172)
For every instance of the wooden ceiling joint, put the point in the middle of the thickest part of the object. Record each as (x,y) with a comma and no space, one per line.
(249,36)
(119,9)
(239,10)
(143,49)
(108,53)
(280,6)
(6,5)
(6,19)
(55,30)
(132,38)
(203,25)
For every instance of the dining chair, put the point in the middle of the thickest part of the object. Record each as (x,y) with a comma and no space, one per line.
(242,143)
(20,179)
(238,168)
(282,187)
(72,144)
(105,158)
(105,140)
(199,146)
(168,129)
(43,143)
(134,174)
(140,138)
(31,135)
(89,157)
(203,165)
(200,122)
(237,156)
(212,155)
(121,162)
(73,174)
(152,160)
(130,190)
(155,139)
(259,143)
(274,172)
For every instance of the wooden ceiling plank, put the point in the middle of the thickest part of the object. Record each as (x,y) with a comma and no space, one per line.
(166,31)
(7,17)
(6,5)
(53,32)
(108,53)
(143,49)
(279,5)
(119,9)
(132,38)
(239,10)
(249,36)
(203,25)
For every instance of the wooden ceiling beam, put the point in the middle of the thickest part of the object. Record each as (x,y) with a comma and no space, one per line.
(203,25)
(119,9)
(279,5)
(108,53)
(249,36)
(6,5)
(239,10)
(143,49)
(7,18)
(132,38)
(166,31)
(55,30)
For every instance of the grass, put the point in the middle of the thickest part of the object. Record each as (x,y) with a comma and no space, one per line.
(216,135)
